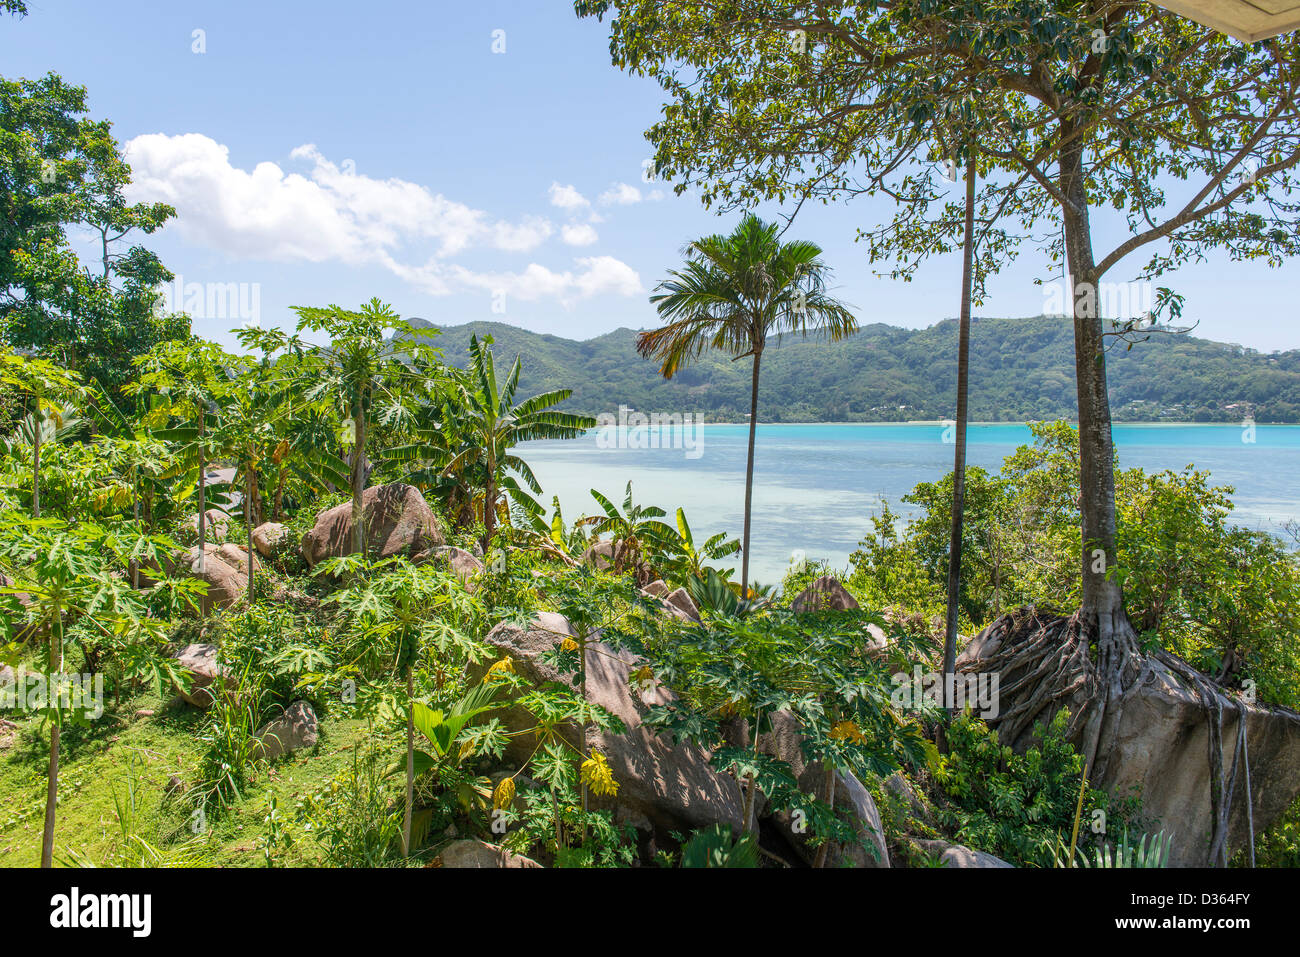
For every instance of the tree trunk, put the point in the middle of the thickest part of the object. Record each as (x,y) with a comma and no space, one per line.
(1102,612)
(250,490)
(749,474)
(203,509)
(52,787)
(36,458)
(359,479)
(489,509)
(959,454)
(410,760)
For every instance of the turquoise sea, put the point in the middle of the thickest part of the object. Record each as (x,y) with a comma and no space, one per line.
(816,486)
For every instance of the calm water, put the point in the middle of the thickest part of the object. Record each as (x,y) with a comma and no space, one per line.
(816,486)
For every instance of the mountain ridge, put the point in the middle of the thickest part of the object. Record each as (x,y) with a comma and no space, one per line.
(1021,369)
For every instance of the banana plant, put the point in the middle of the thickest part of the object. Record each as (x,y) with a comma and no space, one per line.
(687,560)
(635,532)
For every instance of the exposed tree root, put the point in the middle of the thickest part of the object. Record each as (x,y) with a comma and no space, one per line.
(1045,661)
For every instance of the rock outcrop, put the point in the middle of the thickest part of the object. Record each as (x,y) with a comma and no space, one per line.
(852,801)
(227,585)
(216,525)
(1162,748)
(671,786)
(464,565)
(825,594)
(677,602)
(958,855)
(398,521)
(470,853)
(606,556)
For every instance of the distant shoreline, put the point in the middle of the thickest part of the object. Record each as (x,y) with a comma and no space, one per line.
(1024,422)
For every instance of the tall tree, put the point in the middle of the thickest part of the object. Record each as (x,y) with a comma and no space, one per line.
(1189,137)
(362,369)
(959,444)
(60,170)
(734,293)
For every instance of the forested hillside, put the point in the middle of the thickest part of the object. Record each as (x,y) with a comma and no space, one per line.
(1020,369)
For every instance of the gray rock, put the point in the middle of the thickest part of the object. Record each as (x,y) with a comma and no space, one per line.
(200,661)
(958,855)
(398,522)
(217,525)
(852,800)
(1162,748)
(825,594)
(292,731)
(470,853)
(269,536)
(464,565)
(671,785)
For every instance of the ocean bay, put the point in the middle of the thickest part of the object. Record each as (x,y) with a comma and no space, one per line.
(816,486)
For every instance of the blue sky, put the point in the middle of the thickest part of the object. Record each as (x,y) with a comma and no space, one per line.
(327,152)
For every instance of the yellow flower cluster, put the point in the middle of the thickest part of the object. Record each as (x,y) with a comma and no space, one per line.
(848,731)
(504,795)
(568,644)
(499,670)
(597,776)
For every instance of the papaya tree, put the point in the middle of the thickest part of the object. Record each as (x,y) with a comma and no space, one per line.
(366,370)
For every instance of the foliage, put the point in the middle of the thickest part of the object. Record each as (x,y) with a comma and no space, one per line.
(355,820)
(715,847)
(488,424)
(1018,807)
(1221,596)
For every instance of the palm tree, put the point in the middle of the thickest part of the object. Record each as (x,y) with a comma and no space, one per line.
(633,532)
(487,426)
(734,292)
(959,453)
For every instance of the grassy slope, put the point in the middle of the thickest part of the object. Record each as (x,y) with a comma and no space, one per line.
(96,761)
(1021,369)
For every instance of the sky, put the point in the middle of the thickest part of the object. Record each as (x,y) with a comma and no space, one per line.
(462,162)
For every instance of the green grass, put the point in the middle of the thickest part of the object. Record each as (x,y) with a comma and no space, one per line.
(102,758)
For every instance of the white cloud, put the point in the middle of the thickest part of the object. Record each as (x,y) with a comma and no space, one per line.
(625,194)
(331,213)
(567,197)
(597,275)
(579,234)
(620,194)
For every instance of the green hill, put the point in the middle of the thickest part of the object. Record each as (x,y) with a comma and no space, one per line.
(1021,369)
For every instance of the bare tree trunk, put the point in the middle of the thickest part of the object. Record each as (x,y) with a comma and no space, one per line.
(359,479)
(250,489)
(489,509)
(203,509)
(52,786)
(959,455)
(749,473)
(410,760)
(1102,611)
(36,458)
